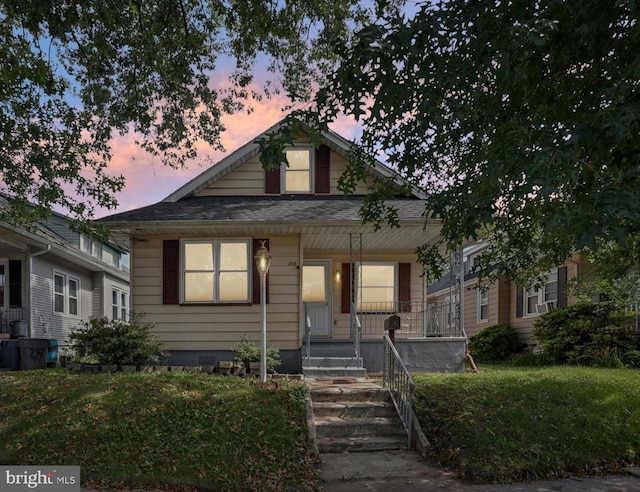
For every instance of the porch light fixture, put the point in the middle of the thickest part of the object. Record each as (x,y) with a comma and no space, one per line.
(263,261)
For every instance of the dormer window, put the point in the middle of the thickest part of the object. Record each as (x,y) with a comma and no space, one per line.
(308,172)
(297,176)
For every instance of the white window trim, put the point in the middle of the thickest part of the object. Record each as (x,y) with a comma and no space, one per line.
(216,270)
(66,297)
(312,174)
(541,297)
(119,306)
(480,318)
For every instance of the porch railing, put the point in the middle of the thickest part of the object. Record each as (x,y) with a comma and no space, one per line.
(397,379)
(356,332)
(417,319)
(10,314)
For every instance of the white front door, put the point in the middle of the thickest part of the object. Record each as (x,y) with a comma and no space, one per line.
(316,294)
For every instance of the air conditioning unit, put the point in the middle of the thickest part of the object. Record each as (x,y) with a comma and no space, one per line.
(542,308)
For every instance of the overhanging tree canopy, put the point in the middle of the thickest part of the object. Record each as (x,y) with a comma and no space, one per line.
(520,120)
(74,74)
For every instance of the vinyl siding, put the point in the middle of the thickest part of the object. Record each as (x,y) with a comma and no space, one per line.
(57,326)
(209,327)
(248,179)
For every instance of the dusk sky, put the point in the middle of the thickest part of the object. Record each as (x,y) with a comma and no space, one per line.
(148,181)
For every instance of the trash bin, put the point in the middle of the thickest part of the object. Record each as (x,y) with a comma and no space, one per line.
(33,353)
(10,355)
(19,329)
(52,352)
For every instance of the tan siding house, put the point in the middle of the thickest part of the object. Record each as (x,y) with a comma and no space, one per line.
(503,304)
(193,272)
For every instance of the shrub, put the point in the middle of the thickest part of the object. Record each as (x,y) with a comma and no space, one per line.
(247,351)
(589,334)
(496,343)
(107,341)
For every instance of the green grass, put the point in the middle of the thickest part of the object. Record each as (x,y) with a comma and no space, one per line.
(220,433)
(514,424)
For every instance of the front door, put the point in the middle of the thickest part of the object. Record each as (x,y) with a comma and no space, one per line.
(316,295)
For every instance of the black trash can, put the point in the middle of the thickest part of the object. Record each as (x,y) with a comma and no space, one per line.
(10,355)
(33,353)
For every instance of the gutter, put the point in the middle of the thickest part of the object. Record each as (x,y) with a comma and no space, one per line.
(31,256)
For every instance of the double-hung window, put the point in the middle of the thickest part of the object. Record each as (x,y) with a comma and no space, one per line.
(119,304)
(216,271)
(483,305)
(298,173)
(547,294)
(66,294)
(377,287)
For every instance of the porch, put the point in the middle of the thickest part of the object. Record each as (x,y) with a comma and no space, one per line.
(429,339)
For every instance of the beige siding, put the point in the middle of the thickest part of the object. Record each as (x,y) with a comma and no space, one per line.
(199,327)
(248,179)
(341,321)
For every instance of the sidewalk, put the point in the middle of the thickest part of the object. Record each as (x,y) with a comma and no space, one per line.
(395,471)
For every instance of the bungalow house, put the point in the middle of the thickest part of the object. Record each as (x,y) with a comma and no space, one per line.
(332,283)
(504,304)
(52,279)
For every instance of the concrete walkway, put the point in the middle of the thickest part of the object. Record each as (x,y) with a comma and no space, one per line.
(394,471)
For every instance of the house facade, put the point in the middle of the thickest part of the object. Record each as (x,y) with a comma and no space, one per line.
(332,281)
(502,303)
(53,279)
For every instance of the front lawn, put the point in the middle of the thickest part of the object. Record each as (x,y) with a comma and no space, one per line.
(514,424)
(216,432)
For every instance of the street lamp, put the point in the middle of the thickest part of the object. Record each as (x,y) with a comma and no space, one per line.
(263,261)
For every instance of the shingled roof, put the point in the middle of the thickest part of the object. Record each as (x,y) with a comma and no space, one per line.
(260,209)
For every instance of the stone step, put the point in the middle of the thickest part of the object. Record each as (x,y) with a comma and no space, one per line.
(353,409)
(361,444)
(332,362)
(336,427)
(316,372)
(349,393)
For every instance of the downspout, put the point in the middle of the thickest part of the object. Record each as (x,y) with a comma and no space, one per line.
(29,289)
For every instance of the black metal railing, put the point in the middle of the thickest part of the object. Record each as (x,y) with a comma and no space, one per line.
(397,379)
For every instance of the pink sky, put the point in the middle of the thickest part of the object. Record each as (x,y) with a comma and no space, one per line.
(148,181)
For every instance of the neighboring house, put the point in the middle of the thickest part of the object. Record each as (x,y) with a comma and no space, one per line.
(193,272)
(53,279)
(504,304)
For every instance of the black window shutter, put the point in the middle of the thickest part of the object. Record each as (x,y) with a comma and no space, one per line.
(256,275)
(404,287)
(15,283)
(519,302)
(323,169)
(171,271)
(562,286)
(346,288)
(272,181)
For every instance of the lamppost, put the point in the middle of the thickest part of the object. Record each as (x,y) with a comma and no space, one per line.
(263,261)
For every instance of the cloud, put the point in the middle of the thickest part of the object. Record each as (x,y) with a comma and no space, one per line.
(148,181)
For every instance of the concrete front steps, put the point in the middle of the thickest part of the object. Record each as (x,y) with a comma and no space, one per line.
(314,367)
(354,415)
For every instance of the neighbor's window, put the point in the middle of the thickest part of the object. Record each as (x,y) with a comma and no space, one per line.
(66,294)
(119,305)
(483,305)
(547,294)
(377,287)
(216,271)
(297,175)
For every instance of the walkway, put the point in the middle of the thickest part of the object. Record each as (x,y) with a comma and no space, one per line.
(403,470)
